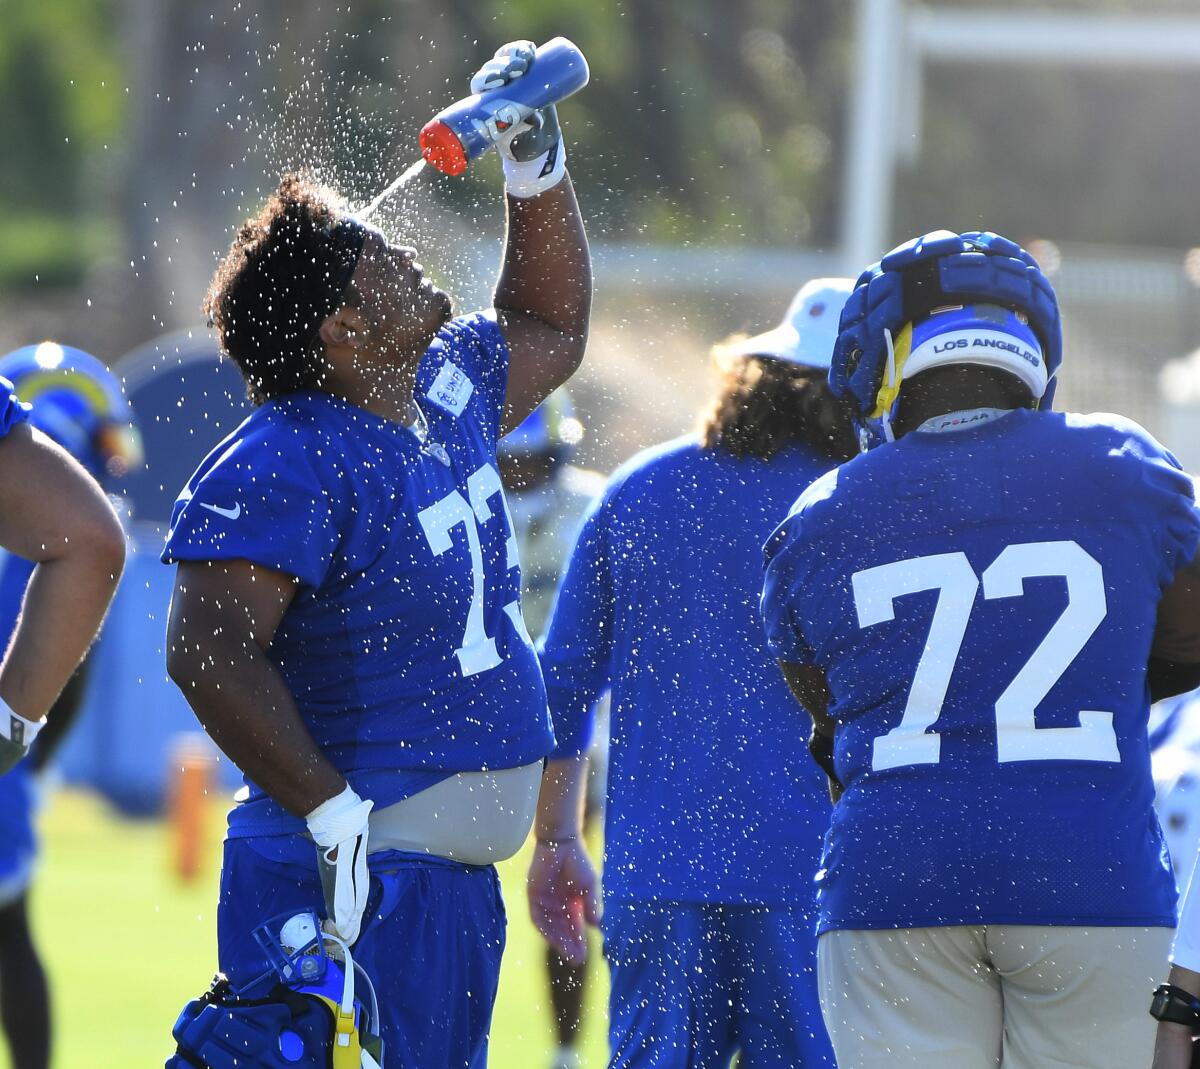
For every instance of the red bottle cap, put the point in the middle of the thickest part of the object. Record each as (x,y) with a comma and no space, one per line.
(441,148)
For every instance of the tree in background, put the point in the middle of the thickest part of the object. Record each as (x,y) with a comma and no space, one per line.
(60,81)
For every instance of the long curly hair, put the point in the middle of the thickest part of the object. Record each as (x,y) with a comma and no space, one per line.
(764,404)
(273,288)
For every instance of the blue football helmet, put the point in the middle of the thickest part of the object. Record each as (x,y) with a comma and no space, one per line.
(551,429)
(980,273)
(308,1010)
(79,403)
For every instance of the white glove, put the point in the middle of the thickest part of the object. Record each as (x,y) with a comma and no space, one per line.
(339,828)
(529,142)
(16,736)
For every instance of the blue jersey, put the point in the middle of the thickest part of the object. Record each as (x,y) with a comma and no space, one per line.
(983,603)
(711,794)
(404,646)
(17,842)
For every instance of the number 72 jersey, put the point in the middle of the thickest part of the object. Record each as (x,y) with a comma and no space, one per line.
(983,604)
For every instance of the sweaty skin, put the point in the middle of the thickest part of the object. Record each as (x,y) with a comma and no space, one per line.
(53,512)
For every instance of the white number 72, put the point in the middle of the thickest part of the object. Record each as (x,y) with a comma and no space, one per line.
(1018,738)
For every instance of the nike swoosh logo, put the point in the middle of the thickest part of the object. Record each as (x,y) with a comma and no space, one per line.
(229,514)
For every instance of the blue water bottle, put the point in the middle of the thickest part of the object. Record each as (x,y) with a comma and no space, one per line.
(468,128)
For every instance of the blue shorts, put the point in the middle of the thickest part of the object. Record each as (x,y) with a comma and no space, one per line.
(693,983)
(18,840)
(431,941)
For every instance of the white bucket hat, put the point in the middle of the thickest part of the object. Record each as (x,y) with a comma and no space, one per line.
(809,329)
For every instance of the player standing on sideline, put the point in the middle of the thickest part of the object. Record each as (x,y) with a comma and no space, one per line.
(714,814)
(346,619)
(77,403)
(547,496)
(974,614)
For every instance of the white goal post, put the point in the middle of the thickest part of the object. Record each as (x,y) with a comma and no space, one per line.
(897,39)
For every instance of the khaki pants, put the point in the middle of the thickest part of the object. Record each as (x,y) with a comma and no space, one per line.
(1016,996)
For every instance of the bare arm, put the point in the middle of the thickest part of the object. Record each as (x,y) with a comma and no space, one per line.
(1175,653)
(560,803)
(543,297)
(1173,1042)
(809,687)
(53,512)
(561,884)
(224,615)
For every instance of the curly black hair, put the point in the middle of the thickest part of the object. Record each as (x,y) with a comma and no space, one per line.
(274,287)
(763,404)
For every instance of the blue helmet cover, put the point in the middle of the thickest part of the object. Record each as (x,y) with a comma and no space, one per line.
(937,269)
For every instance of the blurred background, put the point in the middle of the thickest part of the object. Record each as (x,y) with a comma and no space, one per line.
(725,151)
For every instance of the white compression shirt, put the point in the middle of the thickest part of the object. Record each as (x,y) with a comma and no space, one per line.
(477,818)
(1186,951)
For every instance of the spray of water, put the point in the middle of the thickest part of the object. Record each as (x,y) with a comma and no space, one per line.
(395,186)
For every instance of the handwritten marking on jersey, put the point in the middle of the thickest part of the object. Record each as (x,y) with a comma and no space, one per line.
(229,514)
(1018,738)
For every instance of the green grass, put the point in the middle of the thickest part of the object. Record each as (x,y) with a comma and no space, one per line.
(126,943)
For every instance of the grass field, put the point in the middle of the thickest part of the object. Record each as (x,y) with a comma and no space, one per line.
(127,943)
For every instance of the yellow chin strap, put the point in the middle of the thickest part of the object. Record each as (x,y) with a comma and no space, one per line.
(889,389)
(347,1053)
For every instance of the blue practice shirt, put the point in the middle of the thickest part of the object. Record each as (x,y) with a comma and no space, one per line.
(983,604)
(404,647)
(712,796)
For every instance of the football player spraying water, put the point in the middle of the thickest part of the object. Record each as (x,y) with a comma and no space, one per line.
(714,814)
(976,612)
(346,620)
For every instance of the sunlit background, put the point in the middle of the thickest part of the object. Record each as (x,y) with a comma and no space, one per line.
(723,153)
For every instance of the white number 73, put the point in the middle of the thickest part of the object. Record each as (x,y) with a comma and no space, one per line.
(1018,738)
(478,651)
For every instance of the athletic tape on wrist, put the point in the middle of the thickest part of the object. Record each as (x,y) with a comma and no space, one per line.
(339,818)
(528,179)
(16,729)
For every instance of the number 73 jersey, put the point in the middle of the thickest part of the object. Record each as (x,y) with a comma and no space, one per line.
(983,603)
(404,646)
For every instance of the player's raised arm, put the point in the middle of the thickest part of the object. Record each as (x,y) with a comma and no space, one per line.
(54,513)
(544,293)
